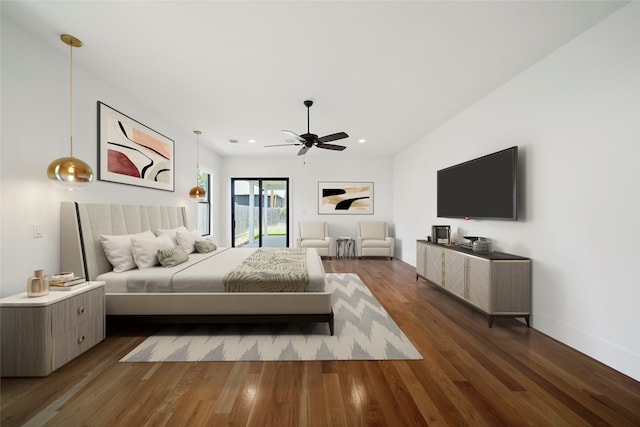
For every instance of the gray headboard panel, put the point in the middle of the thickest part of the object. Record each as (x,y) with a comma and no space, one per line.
(82,224)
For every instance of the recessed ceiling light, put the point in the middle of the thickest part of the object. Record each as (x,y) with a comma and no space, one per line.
(362,141)
(251,141)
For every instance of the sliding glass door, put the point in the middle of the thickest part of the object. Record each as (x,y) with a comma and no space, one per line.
(259,212)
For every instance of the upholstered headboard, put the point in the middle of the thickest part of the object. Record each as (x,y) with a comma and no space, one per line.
(82,224)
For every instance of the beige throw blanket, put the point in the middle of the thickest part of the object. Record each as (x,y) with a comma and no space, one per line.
(270,270)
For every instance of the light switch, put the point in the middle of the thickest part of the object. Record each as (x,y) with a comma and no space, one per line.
(37,231)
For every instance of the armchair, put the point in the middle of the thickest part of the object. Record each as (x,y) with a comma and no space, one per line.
(373,240)
(315,234)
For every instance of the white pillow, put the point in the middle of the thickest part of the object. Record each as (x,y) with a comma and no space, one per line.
(187,240)
(144,249)
(171,232)
(117,248)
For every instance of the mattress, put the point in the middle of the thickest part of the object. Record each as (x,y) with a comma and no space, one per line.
(201,273)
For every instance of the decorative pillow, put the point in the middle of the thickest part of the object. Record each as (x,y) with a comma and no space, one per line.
(204,246)
(117,248)
(186,239)
(172,257)
(144,250)
(171,232)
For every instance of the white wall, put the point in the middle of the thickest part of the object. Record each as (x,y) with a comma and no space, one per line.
(304,175)
(576,118)
(35,131)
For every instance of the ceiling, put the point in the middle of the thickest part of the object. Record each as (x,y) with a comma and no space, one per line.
(384,71)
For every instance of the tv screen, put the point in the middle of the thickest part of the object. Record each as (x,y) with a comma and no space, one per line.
(481,188)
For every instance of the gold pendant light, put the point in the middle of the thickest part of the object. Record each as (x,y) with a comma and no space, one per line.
(70,173)
(197,193)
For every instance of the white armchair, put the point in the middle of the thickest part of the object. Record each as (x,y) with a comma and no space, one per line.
(315,234)
(373,240)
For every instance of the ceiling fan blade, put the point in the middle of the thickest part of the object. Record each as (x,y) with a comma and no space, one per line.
(333,137)
(281,145)
(294,135)
(303,150)
(331,146)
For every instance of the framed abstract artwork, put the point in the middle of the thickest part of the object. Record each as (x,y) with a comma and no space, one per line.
(131,153)
(345,198)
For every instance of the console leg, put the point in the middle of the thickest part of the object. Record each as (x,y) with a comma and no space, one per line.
(490,321)
(331,327)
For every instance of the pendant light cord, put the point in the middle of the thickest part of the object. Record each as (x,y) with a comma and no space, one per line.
(71,102)
(197,161)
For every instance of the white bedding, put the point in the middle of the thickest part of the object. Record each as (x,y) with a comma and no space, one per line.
(201,273)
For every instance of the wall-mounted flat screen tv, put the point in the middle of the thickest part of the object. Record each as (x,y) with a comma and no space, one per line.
(480,188)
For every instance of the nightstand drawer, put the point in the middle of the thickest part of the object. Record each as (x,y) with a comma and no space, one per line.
(71,312)
(77,340)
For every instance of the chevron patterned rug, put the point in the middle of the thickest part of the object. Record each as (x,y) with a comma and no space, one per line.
(363,331)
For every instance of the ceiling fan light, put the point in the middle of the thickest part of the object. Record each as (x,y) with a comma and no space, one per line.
(69,173)
(198,194)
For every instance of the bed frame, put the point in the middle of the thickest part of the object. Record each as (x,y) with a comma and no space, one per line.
(82,224)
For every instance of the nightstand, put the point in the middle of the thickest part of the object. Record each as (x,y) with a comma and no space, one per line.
(41,334)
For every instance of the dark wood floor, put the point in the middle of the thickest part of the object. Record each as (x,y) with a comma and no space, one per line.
(508,375)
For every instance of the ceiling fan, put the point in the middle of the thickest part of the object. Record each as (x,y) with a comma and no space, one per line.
(308,140)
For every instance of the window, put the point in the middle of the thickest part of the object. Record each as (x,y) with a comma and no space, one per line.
(204,207)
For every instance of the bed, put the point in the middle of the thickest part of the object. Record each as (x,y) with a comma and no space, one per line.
(192,291)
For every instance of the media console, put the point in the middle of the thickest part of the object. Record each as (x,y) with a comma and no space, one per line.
(496,283)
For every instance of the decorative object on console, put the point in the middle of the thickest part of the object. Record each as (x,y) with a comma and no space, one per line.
(345,197)
(441,234)
(482,245)
(38,285)
(468,244)
(454,236)
(131,153)
(197,193)
(70,173)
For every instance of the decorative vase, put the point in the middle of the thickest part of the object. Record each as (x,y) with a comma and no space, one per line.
(38,285)
(482,245)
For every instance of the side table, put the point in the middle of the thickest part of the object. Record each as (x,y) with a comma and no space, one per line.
(41,334)
(345,247)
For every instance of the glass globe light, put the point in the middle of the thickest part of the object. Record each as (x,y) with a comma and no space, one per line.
(198,194)
(70,173)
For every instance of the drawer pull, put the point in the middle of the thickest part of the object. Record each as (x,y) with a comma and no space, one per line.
(81,309)
(81,339)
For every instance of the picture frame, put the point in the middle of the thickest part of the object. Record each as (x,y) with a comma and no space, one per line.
(133,154)
(345,198)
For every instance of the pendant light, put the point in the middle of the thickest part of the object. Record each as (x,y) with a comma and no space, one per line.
(70,173)
(197,193)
